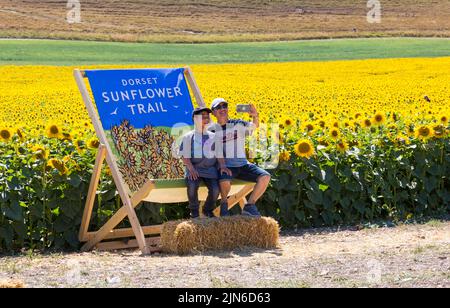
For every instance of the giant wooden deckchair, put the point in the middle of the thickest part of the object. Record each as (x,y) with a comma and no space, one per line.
(153,190)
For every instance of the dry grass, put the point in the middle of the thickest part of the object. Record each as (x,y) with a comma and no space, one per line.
(222,234)
(214,20)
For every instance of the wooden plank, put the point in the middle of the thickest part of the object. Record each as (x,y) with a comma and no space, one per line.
(194,86)
(92,192)
(200,208)
(152,243)
(142,193)
(236,198)
(242,202)
(122,188)
(126,232)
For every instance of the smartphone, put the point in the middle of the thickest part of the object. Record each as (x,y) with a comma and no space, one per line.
(243,108)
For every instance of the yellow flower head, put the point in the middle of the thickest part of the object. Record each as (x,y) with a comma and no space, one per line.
(5,134)
(335,133)
(67,136)
(309,127)
(58,165)
(367,123)
(304,148)
(439,131)
(39,152)
(424,132)
(20,134)
(402,139)
(379,119)
(287,122)
(285,156)
(80,145)
(342,146)
(93,143)
(53,131)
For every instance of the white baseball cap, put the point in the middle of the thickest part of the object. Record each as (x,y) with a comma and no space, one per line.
(216,102)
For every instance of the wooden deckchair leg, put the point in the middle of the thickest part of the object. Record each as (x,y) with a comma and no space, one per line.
(200,208)
(92,193)
(111,224)
(136,226)
(194,86)
(242,203)
(127,208)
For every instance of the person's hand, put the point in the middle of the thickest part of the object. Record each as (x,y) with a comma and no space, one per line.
(253,112)
(226,171)
(193,174)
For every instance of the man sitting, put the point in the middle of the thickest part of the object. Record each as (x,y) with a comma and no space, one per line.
(231,134)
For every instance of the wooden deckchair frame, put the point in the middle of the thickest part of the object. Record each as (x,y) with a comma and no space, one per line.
(130,201)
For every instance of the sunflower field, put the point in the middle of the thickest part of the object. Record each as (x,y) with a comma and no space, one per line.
(359,141)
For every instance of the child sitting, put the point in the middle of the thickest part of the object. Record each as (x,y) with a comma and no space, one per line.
(198,153)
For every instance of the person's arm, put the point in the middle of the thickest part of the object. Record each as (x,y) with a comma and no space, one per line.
(185,150)
(193,173)
(223,168)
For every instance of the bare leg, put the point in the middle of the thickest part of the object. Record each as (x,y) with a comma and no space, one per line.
(225,187)
(260,189)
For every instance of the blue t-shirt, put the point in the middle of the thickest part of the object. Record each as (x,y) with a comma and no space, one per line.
(200,149)
(231,137)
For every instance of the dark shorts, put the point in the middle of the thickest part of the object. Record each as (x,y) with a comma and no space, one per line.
(248,173)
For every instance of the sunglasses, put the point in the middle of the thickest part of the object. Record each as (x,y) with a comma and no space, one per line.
(221,106)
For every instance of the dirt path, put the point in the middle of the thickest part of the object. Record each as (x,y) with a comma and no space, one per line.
(405,256)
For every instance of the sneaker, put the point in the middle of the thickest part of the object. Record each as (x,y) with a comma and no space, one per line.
(224,212)
(251,210)
(194,214)
(208,214)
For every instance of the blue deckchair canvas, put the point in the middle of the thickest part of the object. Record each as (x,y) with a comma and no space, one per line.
(138,109)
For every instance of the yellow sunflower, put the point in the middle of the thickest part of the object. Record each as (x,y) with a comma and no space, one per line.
(53,131)
(20,134)
(309,127)
(424,132)
(80,145)
(402,139)
(411,131)
(379,118)
(443,119)
(58,165)
(285,156)
(304,148)
(287,122)
(342,146)
(93,143)
(67,136)
(335,133)
(39,152)
(367,123)
(5,134)
(323,142)
(439,131)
